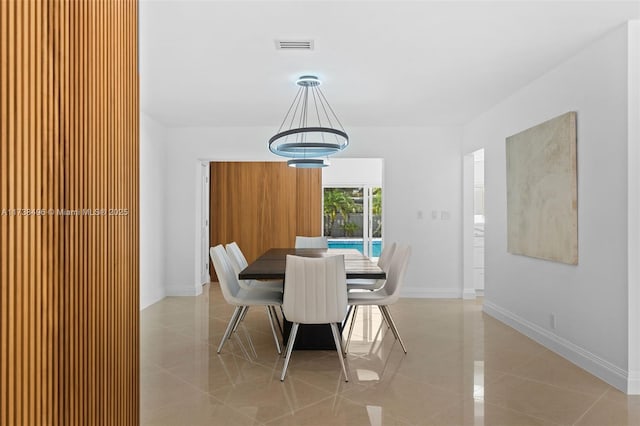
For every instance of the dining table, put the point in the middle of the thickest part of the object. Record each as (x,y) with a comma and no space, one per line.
(271,265)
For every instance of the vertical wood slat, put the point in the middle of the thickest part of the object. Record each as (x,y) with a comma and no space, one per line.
(69,282)
(20,409)
(262,205)
(4,193)
(13,228)
(4,165)
(39,148)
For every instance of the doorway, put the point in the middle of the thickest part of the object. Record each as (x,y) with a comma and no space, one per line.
(473,224)
(478,222)
(204,223)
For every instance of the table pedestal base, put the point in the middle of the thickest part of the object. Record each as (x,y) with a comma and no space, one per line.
(311,336)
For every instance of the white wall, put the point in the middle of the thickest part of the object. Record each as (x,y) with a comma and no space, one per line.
(422,172)
(152,164)
(589,300)
(353,171)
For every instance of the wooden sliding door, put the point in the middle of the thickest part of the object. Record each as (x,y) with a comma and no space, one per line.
(69,309)
(262,205)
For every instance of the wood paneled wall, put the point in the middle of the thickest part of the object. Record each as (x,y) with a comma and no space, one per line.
(69,138)
(261,205)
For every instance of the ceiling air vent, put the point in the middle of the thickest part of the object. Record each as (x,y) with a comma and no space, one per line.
(294,44)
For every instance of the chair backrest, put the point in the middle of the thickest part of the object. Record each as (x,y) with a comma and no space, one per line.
(226,275)
(311,242)
(238,261)
(397,269)
(384,261)
(315,290)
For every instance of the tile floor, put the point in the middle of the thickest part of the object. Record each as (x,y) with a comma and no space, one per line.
(463,368)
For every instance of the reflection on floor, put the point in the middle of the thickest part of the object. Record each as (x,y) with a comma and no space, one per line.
(463,368)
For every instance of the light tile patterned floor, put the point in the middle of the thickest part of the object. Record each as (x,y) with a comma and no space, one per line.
(463,368)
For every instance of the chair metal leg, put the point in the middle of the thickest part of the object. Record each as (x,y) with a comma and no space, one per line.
(386,320)
(384,317)
(346,318)
(243,313)
(277,320)
(338,339)
(385,310)
(292,339)
(230,327)
(353,321)
(273,328)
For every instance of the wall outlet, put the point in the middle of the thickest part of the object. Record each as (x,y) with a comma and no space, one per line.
(552,321)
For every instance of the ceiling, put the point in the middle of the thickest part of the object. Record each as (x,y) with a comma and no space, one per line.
(382,63)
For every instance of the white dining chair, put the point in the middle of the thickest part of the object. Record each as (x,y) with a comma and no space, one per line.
(239,262)
(359,284)
(315,292)
(385,296)
(239,297)
(311,242)
(384,261)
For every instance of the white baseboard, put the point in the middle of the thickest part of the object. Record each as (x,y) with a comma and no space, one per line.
(633,386)
(469,294)
(183,290)
(153,301)
(612,374)
(431,293)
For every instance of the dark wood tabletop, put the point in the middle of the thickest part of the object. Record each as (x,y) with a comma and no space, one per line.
(271,265)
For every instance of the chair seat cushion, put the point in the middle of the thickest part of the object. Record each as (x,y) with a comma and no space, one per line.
(257,297)
(271,285)
(362,284)
(376,297)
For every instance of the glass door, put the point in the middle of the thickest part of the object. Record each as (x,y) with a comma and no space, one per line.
(353,218)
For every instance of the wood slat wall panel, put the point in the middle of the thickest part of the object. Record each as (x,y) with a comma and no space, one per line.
(262,205)
(69,126)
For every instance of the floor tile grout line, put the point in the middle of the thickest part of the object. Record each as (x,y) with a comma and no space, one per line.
(523,413)
(235,410)
(338,392)
(540,418)
(294,409)
(175,376)
(590,407)
(299,409)
(446,407)
(558,386)
(209,394)
(353,401)
(461,398)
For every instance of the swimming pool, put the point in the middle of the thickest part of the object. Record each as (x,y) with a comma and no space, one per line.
(345,243)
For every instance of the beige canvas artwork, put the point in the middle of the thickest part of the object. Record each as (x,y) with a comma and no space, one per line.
(542,196)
